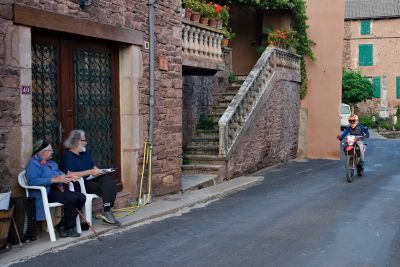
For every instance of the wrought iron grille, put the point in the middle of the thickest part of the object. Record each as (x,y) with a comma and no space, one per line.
(45,87)
(94,103)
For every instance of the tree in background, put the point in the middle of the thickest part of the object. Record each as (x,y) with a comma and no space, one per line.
(355,88)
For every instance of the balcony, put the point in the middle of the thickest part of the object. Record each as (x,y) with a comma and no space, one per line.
(202,48)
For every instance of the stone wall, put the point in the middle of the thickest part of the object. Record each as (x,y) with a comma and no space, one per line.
(273,136)
(131,14)
(346,45)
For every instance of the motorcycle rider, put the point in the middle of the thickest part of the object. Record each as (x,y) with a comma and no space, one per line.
(356,129)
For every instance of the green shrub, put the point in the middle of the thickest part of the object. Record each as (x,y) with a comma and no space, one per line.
(232,78)
(205,123)
(367,120)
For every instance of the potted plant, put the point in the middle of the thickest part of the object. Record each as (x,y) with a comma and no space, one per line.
(195,6)
(215,15)
(278,38)
(228,35)
(224,17)
(206,12)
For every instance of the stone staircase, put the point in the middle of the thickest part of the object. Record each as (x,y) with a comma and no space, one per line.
(204,167)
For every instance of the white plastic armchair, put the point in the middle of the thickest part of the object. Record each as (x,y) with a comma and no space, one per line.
(22,181)
(89,200)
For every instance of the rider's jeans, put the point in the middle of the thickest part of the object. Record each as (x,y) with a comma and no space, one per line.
(360,144)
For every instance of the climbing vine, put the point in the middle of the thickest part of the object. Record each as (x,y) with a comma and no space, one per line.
(298,11)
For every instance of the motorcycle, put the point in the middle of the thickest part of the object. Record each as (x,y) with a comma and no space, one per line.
(353,159)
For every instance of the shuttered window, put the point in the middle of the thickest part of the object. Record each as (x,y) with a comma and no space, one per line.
(377,87)
(365,27)
(398,87)
(365,52)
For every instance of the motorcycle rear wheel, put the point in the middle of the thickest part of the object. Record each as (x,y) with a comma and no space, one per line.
(349,168)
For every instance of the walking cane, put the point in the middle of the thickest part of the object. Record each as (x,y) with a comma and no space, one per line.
(17,232)
(90,225)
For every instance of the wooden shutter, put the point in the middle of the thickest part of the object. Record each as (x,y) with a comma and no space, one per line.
(365,27)
(377,87)
(365,55)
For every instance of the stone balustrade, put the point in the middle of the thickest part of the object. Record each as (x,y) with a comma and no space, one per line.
(200,42)
(253,92)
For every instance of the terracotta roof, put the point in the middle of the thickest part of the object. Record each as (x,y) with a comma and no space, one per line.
(364,9)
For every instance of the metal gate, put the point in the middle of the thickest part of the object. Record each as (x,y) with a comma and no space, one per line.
(45,87)
(94,103)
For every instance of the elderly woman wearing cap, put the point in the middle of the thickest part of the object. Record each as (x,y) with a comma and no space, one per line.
(42,171)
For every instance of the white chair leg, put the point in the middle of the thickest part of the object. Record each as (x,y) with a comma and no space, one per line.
(88,210)
(49,222)
(78,225)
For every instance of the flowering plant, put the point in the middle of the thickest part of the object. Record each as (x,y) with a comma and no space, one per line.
(284,39)
(278,38)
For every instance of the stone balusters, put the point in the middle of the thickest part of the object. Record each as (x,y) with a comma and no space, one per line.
(253,91)
(201,41)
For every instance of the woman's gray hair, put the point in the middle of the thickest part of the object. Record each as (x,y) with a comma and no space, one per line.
(74,137)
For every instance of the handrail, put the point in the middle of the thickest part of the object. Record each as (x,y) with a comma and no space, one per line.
(253,92)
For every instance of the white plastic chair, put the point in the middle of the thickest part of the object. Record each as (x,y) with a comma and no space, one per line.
(89,200)
(46,204)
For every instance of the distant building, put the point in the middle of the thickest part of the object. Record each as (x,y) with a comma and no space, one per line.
(371,45)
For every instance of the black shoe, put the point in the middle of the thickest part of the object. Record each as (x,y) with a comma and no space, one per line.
(67,232)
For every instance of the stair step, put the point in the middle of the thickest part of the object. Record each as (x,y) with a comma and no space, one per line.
(206,150)
(206,135)
(232,88)
(228,97)
(211,138)
(204,159)
(197,181)
(202,169)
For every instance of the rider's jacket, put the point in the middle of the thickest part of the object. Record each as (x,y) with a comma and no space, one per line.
(359,130)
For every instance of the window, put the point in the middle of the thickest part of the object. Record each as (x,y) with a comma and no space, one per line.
(398,87)
(365,52)
(365,27)
(377,87)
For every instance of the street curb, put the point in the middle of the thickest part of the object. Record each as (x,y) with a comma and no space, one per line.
(194,199)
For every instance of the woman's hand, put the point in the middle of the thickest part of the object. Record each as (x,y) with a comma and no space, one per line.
(60,179)
(72,178)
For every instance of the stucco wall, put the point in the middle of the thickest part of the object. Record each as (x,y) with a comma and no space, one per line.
(273,135)
(121,13)
(326,21)
(385,39)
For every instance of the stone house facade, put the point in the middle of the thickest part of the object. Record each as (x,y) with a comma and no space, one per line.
(65,66)
(371,44)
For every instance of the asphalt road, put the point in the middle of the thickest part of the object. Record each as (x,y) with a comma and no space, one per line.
(303,214)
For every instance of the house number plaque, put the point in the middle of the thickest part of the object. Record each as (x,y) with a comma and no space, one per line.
(26,89)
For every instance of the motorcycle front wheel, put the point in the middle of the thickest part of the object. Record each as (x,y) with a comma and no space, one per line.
(349,168)
(360,170)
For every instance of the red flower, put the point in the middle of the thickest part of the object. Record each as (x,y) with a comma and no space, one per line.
(217,8)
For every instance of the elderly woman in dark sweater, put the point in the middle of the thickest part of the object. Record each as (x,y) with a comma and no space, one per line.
(79,160)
